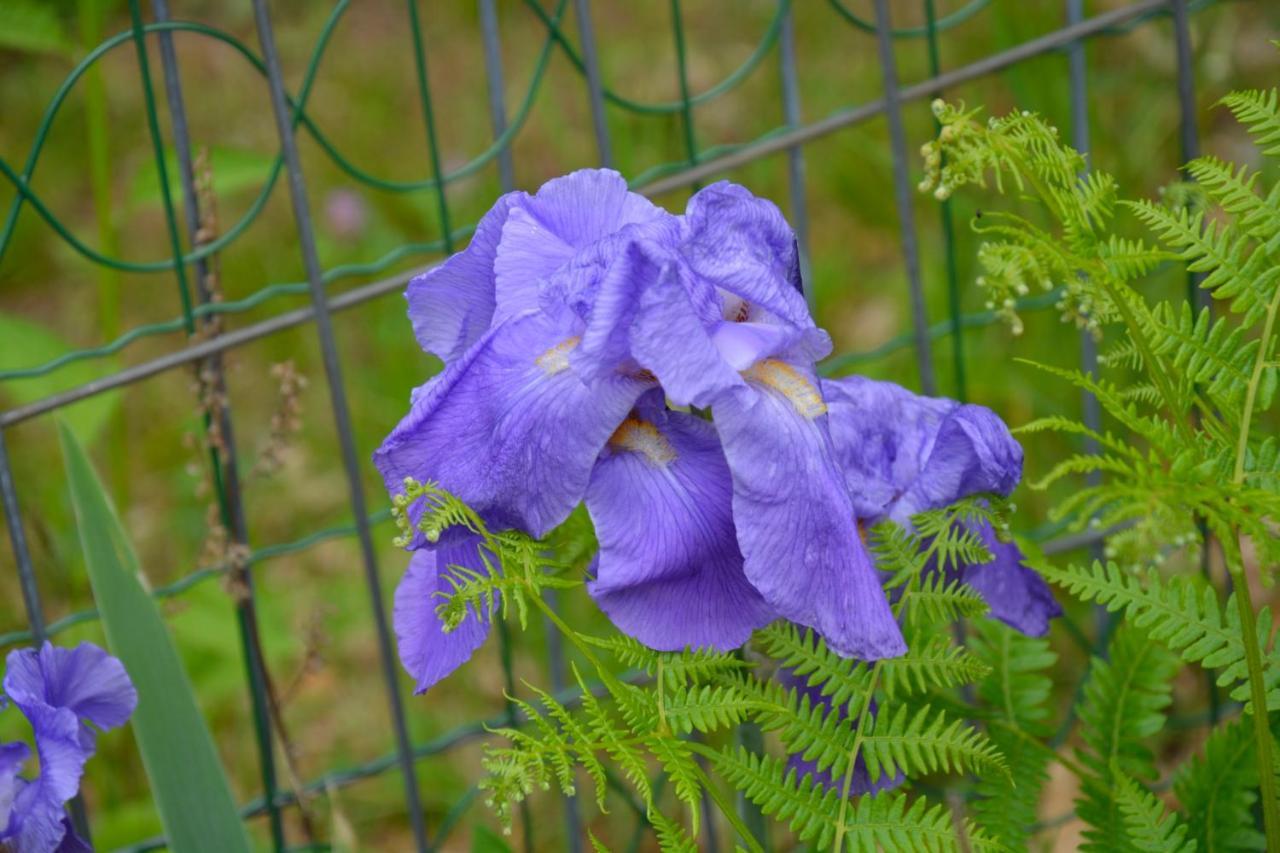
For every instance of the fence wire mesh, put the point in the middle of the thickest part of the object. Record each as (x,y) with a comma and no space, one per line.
(202,316)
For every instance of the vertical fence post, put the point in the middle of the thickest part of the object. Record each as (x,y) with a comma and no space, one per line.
(223,458)
(1091,414)
(947,221)
(795,154)
(902,194)
(341,414)
(1188,134)
(497,93)
(595,87)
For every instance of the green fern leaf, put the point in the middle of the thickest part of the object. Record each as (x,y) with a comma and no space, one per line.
(1123,705)
(1148,828)
(1217,790)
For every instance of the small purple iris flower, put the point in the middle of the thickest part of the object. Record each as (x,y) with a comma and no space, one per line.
(904,454)
(64,694)
(575,328)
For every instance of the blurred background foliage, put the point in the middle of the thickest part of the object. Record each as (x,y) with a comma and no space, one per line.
(97,174)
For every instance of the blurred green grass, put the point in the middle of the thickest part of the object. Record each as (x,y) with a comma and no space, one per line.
(313,607)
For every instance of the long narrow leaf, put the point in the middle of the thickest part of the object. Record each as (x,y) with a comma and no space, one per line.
(187,780)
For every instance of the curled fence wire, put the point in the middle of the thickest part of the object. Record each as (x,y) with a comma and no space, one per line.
(292,117)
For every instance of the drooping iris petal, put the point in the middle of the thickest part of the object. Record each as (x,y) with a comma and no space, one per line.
(452,305)
(973,452)
(669,572)
(545,231)
(903,454)
(794,520)
(743,245)
(1015,592)
(510,429)
(427,652)
(881,433)
(86,680)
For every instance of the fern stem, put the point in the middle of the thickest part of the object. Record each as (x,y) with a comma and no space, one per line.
(726,807)
(1251,393)
(1244,599)
(662,702)
(1258,694)
(864,717)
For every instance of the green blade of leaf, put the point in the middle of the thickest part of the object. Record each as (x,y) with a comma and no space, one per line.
(187,780)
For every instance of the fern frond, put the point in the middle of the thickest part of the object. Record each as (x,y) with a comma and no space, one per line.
(928,664)
(707,708)
(1180,612)
(1217,790)
(938,600)
(1148,828)
(690,666)
(615,741)
(671,836)
(1017,689)
(677,760)
(1258,111)
(1123,705)
(806,655)
(1235,192)
(887,821)
(926,741)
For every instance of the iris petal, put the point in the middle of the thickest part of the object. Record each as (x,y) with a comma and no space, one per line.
(881,433)
(428,653)
(1015,592)
(452,305)
(545,231)
(794,520)
(669,572)
(670,339)
(37,820)
(973,452)
(12,757)
(92,684)
(743,244)
(510,429)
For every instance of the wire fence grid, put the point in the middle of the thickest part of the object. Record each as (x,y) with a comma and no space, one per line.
(200,311)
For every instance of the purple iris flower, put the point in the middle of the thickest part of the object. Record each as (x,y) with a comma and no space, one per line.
(569,319)
(904,454)
(65,694)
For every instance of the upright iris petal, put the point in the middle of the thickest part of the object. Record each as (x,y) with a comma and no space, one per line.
(428,652)
(669,572)
(452,305)
(566,218)
(904,454)
(85,680)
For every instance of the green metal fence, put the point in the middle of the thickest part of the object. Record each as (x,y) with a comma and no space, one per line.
(565,28)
